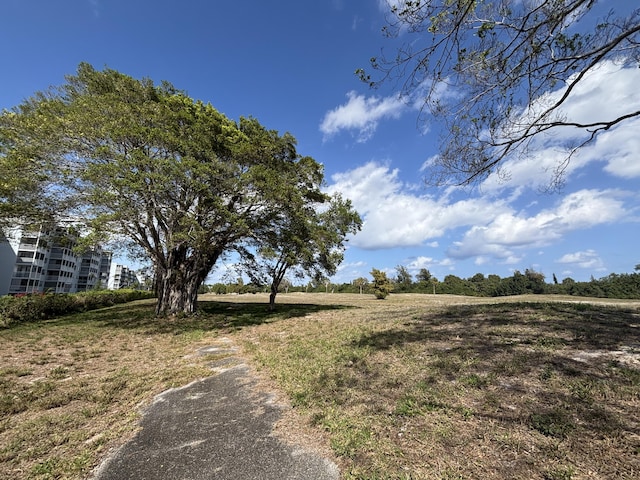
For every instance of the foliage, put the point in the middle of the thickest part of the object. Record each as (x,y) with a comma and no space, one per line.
(485,68)
(306,237)
(26,193)
(171,175)
(361,284)
(454,285)
(403,279)
(423,275)
(623,286)
(29,308)
(381,285)
(519,284)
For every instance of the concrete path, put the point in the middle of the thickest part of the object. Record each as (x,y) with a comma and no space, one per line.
(217,428)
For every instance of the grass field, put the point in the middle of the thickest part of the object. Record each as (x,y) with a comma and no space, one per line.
(412,387)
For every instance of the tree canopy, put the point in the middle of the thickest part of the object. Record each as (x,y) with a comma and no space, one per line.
(403,278)
(486,69)
(147,163)
(305,239)
(28,193)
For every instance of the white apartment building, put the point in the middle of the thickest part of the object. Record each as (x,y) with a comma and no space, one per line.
(44,261)
(122,276)
(105,268)
(25,257)
(62,265)
(88,272)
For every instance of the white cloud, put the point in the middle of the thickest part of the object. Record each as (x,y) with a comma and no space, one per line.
(613,85)
(393,217)
(418,263)
(351,266)
(587,259)
(531,172)
(361,114)
(606,92)
(485,229)
(95,7)
(508,231)
(421,262)
(620,149)
(348,271)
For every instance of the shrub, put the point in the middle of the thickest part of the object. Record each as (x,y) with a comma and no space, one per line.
(31,308)
(381,284)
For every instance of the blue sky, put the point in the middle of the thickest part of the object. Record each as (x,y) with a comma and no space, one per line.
(291,65)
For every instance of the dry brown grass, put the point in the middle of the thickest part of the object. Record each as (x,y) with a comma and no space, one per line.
(429,387)
(414,386)
(70,389)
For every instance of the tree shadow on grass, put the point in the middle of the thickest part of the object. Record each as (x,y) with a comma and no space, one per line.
(581,359)
(499,326)
(519,339)
(212,315)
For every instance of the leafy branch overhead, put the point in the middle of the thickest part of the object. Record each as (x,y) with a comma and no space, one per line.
(486,70)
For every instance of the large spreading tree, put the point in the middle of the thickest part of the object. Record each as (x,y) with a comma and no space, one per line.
(149,164)
(484,68)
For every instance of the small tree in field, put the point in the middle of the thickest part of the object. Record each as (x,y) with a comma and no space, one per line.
(301,240)
(361,283)
(381,285)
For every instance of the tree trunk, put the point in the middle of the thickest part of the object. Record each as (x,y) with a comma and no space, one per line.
(179,276)
(177,295)
(276,280)
(179,283)
(272,298)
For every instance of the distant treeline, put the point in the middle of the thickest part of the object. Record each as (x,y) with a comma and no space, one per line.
(624,286)
(531,282)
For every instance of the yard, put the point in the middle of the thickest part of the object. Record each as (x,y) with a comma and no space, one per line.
(411,387)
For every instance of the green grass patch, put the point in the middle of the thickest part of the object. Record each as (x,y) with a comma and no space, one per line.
(554,423)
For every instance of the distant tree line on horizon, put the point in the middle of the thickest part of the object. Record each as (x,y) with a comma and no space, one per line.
(615,285)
